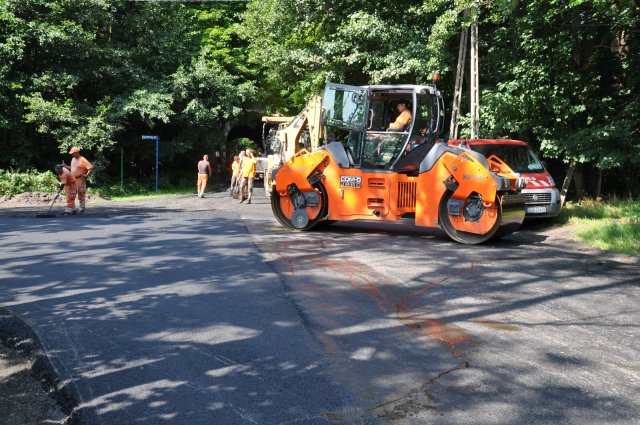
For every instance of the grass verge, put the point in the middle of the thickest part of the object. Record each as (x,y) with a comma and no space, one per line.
(132,192)
(150,194)
(613,225)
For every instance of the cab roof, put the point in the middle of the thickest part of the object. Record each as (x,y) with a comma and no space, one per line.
(401,88)
(472,142)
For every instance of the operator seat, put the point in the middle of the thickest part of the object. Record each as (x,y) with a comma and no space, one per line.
(410,163)
(347,149)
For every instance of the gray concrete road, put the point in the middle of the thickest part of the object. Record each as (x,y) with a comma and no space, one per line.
(204,311)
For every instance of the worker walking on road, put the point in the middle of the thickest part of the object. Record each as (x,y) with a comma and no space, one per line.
(247,172)
(204,172)
(235,173)
(80,169)
(68,183)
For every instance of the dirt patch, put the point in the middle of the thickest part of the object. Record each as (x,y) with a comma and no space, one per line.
(24,399)
(39,198)
(30,392)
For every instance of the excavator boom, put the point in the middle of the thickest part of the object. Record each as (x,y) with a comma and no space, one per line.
(291,135)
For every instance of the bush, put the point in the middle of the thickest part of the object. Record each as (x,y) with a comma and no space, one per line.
(142,189)
(13,182)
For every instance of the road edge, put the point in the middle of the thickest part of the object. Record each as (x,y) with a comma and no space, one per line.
(17,335)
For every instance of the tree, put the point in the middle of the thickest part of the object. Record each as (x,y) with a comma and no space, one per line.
(301,45)
(77,73)
(560,74)
(99,73)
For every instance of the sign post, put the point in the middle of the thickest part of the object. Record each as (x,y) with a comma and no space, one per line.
(157,139)
(121,168)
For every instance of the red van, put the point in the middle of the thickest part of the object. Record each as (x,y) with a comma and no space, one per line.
(542,198)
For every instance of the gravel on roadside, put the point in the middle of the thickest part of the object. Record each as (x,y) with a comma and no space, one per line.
(29,390)
(23,398)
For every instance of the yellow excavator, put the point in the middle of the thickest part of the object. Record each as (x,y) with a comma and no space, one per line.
(283,137)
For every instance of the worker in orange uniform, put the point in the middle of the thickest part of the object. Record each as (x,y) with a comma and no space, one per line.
(403,120)
(204,172)
(80,169)
(68,183)
(235,174)
(247,173)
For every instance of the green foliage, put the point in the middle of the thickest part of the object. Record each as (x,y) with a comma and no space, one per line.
(135,190)
(151,105)
(613,208)
(623,238)
(13,183)
(100,73)
(559,74)
(244,143)
(613,225)
(301,45)
(208,93)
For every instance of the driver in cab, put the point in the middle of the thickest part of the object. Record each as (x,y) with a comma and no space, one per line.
(403,119)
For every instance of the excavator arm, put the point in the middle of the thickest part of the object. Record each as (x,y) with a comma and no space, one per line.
(303,131)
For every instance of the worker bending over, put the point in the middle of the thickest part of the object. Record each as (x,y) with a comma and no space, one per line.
(80,169)
(68,183)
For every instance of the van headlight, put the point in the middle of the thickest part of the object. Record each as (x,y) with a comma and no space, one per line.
(521,183)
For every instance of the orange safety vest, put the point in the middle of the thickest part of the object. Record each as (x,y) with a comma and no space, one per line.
(235,168)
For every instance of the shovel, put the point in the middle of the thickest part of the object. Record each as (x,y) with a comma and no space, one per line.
(48,215)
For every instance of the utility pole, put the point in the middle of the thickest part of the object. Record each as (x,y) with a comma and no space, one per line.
(457,92)
(474,83)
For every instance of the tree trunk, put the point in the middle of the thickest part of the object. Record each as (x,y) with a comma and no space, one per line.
(567,182)
(598,184)
(578,180)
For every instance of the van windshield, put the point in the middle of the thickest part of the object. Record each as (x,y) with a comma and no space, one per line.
(520,158)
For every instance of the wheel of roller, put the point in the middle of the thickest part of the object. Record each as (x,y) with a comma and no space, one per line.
(461,236)
(283,209)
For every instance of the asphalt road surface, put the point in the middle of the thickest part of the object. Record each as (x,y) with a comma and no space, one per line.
(205,311)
